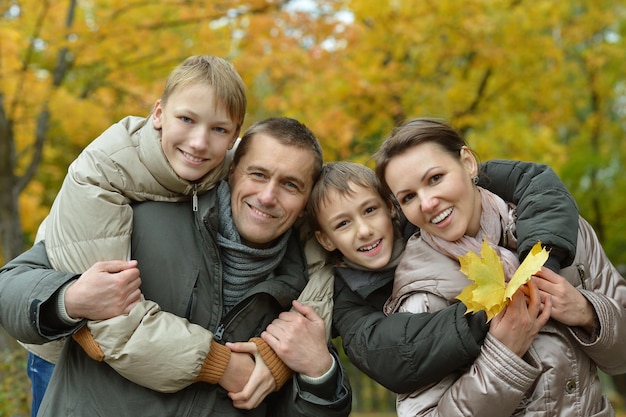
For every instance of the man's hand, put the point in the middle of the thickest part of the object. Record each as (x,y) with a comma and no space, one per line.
(261,382)
(299,340)
(107,289)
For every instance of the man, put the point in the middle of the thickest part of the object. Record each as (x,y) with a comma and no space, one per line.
(235,251)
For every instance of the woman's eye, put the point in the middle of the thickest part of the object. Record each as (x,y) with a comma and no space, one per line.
(406,198)
(436,178)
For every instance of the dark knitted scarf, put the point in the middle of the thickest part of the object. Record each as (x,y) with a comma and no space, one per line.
(243,266)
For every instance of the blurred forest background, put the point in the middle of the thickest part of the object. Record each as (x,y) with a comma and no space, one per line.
(533,80)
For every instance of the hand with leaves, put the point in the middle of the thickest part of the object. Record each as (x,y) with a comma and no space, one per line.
(517,325)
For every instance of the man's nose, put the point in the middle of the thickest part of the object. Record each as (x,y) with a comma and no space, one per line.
(268,194)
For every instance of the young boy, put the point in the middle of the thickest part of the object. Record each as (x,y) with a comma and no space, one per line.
(351,219)
(176,152)
(172,155)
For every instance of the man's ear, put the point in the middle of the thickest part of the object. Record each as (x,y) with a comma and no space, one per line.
(231,171)
(324,241)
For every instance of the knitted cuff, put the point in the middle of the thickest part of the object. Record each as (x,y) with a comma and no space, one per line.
(214,364)
(85,339)
(281,372)
(61,306)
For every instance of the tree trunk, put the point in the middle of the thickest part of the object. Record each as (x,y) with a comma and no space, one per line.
(10,226)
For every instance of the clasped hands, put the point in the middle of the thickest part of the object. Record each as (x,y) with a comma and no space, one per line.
(297,337)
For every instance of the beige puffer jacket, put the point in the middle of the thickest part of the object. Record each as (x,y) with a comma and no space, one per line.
(558,375)
(91,218)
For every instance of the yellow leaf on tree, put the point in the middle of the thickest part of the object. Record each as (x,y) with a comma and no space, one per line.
(489,291)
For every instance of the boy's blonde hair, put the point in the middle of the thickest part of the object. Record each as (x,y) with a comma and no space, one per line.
(228,87)
(342,176)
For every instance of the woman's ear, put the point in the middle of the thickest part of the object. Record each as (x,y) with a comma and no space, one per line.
(324,241)
(469,161)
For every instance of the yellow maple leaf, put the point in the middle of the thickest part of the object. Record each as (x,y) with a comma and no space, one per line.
(489,291)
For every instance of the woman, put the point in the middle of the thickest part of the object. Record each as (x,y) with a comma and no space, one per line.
(431,172)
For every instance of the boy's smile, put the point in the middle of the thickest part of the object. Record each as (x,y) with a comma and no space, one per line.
(196,131)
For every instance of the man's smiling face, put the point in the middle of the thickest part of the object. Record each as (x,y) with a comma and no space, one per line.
(270,186)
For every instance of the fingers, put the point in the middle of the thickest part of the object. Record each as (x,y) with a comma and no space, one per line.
(243,347)
(259,385)
(546,311)
(548,275)
(307,311)
(534,299)
(538,307)
(116,266)
(105,290)
(303,309)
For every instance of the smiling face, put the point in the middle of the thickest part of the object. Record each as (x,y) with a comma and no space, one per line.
(196,131)
(358,224)
(270,186)
(435,190)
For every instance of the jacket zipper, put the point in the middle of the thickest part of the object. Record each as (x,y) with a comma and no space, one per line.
(230,316)
(194,198)
(581,274)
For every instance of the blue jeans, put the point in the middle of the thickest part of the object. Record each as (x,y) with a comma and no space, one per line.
(39,372)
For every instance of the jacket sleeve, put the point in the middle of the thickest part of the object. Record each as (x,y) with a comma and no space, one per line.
(318,292)
(605,289)
(295,400)
(405,351)
(493,387)
(90,219)
(133,343)
(28,293)
(186,353)
(546,211)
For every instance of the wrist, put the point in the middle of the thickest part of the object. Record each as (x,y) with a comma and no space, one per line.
(589,318)
(319,378)
(215,364)
(279,370)
(64,309)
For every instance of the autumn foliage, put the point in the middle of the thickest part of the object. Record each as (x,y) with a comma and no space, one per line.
(537,80)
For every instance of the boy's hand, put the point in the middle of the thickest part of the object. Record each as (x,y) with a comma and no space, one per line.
(237,373)
(261,382)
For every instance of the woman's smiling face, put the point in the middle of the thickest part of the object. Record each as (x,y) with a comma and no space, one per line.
(435,190)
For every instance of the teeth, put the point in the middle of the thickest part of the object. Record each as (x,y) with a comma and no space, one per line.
(192,158)
(260,213)
(369,248)
(442,216)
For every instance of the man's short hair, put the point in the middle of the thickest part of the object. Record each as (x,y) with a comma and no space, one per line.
(287,131)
